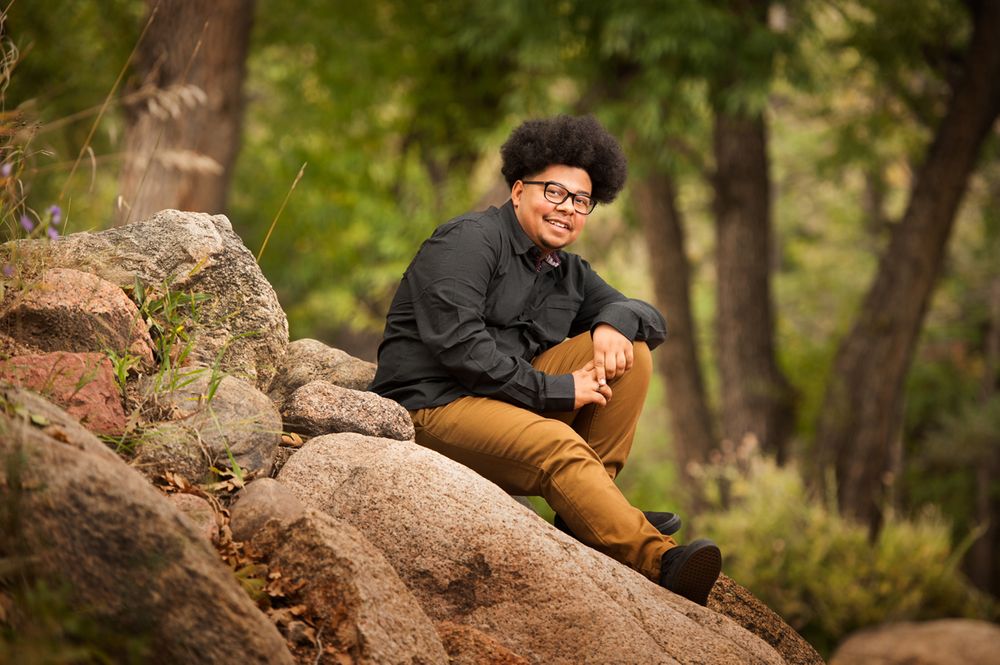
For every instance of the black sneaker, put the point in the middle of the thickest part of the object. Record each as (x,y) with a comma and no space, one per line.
(691,570)
(665,523)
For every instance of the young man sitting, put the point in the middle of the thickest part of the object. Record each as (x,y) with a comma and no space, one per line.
(516,359)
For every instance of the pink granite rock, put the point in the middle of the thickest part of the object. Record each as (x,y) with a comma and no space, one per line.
(309,360)
(472,555)
(241,324)
(212,421)
(354,596)
(200,512)
(128,561)
(263,500)
(941,642)
(469,646)
(71,310)
(319,407)
(82,383)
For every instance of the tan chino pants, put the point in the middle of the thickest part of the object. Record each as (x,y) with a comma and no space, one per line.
(569,458)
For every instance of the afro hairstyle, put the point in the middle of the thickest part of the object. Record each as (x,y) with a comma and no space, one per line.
(578,141)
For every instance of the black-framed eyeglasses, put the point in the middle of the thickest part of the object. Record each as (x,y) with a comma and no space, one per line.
(556,192)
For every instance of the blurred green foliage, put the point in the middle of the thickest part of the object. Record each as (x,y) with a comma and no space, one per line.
(822,573)
(52,98)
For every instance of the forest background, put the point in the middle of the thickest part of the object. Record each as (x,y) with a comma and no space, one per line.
(813,202)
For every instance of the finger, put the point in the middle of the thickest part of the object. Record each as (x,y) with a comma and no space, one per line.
(623,364)
(599,369)
(605,391)
(611,365)
(616,366)
(629,358)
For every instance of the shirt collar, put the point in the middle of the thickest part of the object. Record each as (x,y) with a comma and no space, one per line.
(523,244)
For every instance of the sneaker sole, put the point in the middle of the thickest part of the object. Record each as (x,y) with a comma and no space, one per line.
(697,572)
(667,528)
(670,527)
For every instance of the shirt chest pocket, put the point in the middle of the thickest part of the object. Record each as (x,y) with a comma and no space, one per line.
(507,298)
(553,316)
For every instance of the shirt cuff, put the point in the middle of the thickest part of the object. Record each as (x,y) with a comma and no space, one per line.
(620,318)
(560,392)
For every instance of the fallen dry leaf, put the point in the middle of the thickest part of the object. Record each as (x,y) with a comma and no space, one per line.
(292,439)
(280,616)
(57,433)
(176,482)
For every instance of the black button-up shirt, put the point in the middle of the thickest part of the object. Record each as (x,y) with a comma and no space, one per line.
(475,307)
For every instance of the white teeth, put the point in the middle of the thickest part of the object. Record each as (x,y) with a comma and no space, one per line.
(559,224)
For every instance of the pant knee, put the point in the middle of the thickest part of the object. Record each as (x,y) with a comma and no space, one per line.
(642,358)
(568,454)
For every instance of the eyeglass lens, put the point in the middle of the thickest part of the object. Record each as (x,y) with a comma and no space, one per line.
(555,193)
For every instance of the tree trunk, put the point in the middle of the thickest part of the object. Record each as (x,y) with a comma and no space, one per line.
(655,201)
(863,403)
(756,398)
(982,563)
(182,138)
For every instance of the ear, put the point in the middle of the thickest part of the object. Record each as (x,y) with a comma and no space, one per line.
(515,193)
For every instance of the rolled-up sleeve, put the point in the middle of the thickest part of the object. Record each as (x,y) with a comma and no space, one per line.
(449,280)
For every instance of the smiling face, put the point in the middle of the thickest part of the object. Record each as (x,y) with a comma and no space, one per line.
(550,226)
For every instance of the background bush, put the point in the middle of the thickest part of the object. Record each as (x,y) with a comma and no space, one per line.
(821,572)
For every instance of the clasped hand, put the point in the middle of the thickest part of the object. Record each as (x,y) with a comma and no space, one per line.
(612,358)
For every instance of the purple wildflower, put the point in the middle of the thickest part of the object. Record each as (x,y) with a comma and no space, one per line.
(6,169)
(27,224)
(8,270)
(56,213)
(53,234)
